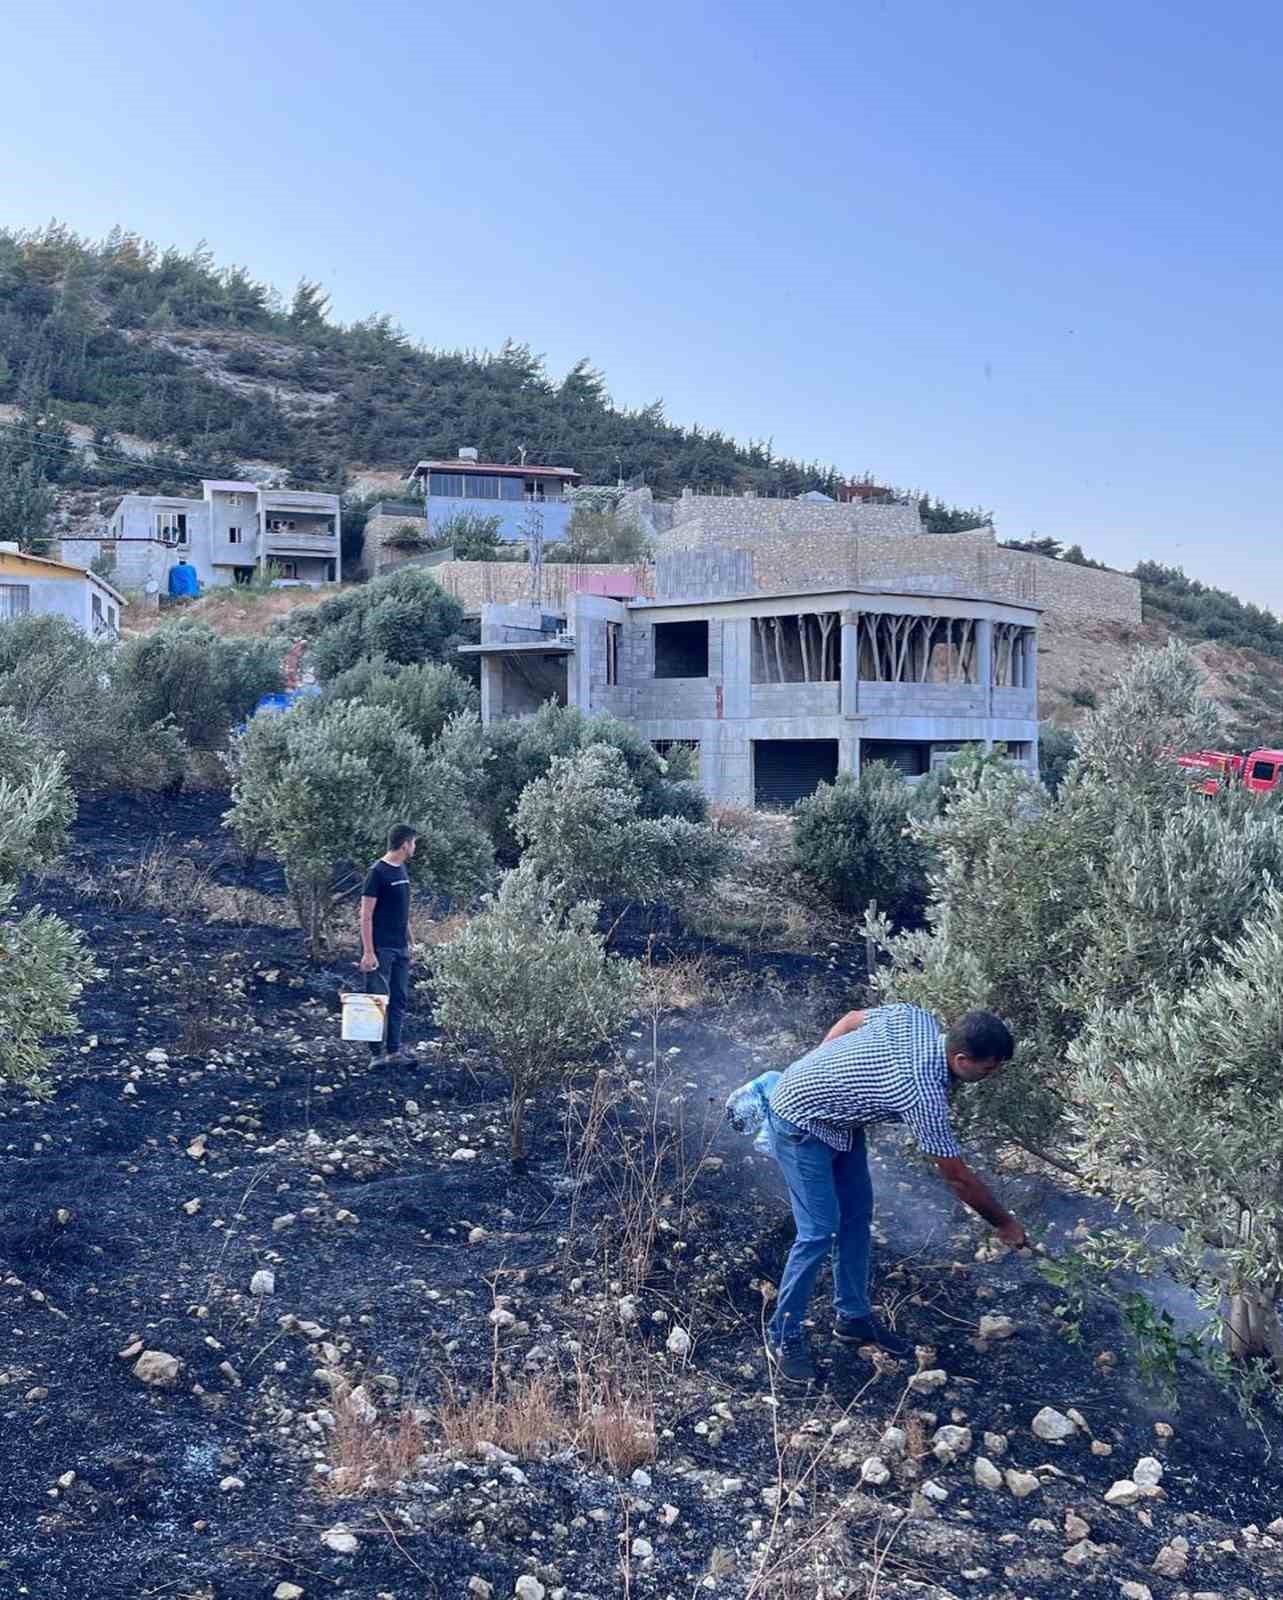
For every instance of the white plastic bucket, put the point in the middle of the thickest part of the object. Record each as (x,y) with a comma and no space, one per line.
(364,1016)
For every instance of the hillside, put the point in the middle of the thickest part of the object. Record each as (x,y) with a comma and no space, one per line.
(121,338)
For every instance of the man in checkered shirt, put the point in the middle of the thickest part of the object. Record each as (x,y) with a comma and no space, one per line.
(889,1064)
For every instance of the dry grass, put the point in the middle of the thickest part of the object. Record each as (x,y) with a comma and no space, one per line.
(366,1457)
(616,1429)
(525,1420)
(429,932)
(729,818)
(679,984)
(246,907)
(232,610)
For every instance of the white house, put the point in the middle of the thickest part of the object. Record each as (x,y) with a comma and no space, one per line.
(39,586)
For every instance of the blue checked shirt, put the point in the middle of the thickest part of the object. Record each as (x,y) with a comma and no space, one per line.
(891,1070)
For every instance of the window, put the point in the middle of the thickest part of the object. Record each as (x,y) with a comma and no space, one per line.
(281,524)
(289,569)
(112,618)
(511,489)
(1263,771)
(15,600)
(97,612)
(236,500)
(613,630)
(681,649)
(481,488)
(233,536)
(681,756)
(447,483)
(171,527)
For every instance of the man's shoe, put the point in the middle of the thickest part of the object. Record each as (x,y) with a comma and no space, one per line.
(868,1330)
(399,1058)
(792,1362)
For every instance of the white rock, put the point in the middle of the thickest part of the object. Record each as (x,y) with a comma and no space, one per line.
(950,1442)
(894,1442)
(642,1548)
(640,1479)
(287,1591)
(1053,1425)
(263,1282)
(994,1327)
(286,1220)
(157,1369)
(158,1056)
(1147,1473)
(668,1515)
(1079,1554)
(1075,1526)
(875,1471)
(230,1485)
(1122,1493)
(477,1236)
(926,1382)
(463,1154)
(340,1541)
(528,1588)
(996,1444)
(1135,1591)
(501,1318)
(987,1475)
(935,1491)
(360,1406)
(1021,1484)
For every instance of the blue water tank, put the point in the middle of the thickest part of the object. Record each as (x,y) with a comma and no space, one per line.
(183,580)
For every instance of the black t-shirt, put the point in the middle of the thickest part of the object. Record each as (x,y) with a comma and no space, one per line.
(389,888)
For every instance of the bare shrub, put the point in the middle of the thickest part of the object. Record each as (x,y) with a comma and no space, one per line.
(245,908)
(727,817)
(428,932)
(615,1425)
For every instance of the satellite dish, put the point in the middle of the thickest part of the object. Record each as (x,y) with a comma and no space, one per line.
(152,587)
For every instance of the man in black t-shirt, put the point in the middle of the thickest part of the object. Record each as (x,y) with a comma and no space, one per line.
(385,933)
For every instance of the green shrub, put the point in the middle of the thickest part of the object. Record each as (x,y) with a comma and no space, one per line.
(961,773)
(531,982)
(321,786)
(205,681)
(1056,749)
(403,616)
(522,749)
(582,831)
(853,842)
(44,964)
(60,684)
(23,756)
(425,697)
(472,536)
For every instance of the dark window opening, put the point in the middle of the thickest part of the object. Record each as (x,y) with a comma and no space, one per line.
(243,574)
(613,630)
(681,649)
(797,649)
(1263,771)
(912,758)
(788,770)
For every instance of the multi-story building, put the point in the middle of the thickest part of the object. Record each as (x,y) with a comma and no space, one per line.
(232,531)
(775,693)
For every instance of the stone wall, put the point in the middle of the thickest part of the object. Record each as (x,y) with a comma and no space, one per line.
(744,519)
(377,555)
(477,583)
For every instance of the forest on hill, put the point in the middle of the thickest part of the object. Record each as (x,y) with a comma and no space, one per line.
(94,333)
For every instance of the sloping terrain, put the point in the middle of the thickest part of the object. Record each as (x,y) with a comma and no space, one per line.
(243,1273)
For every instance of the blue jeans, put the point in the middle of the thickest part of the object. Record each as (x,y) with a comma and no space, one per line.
(831,1193)
(394,969)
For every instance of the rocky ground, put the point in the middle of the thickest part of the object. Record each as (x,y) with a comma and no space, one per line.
(279,1324)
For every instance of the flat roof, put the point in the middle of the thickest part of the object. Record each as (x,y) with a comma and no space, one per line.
(231,485)
(906,590)
(506,470)
(525,647)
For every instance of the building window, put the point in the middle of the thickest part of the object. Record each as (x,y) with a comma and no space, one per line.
(15,600)
(233,536)
(280,524)
(475,488)
(171,527)
(112,618)
(446,483)
(236,500)
(613,630)
(96,606)
(289,569)
(681,649)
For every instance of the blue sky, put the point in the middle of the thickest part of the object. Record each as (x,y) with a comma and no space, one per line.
(1022,256)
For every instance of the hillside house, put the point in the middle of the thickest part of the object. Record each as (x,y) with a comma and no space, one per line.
(233,531)
(774,693)
(38,586)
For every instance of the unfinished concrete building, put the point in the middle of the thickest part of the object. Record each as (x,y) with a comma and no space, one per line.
(776,693)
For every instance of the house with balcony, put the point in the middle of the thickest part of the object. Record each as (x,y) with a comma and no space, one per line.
(235,530)
(775,693)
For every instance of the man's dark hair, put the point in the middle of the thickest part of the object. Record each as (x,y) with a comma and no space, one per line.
(982,1036)
(401,834)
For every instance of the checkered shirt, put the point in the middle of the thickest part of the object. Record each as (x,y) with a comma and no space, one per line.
(893,1069)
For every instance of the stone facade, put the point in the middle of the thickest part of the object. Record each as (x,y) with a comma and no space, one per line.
(744,519)
(477,583)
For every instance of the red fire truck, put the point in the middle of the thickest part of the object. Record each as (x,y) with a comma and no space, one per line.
(1208,770)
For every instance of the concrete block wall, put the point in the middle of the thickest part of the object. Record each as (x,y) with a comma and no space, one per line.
(795,699)
(477,583)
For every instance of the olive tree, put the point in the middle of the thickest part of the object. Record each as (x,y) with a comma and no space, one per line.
(206,682)
(529,980)
(1179,1111)
(44,964)
(853,844)
(321,785)
(581,829)
(425,696)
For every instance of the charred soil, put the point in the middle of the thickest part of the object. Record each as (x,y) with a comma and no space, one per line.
(358,1294)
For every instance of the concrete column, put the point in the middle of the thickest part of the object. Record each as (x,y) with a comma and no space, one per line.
(850,660)
(1031,661)
(491,688)
(984,668)
(849,756)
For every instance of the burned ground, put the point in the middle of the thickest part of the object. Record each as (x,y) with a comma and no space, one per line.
(208,1126)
